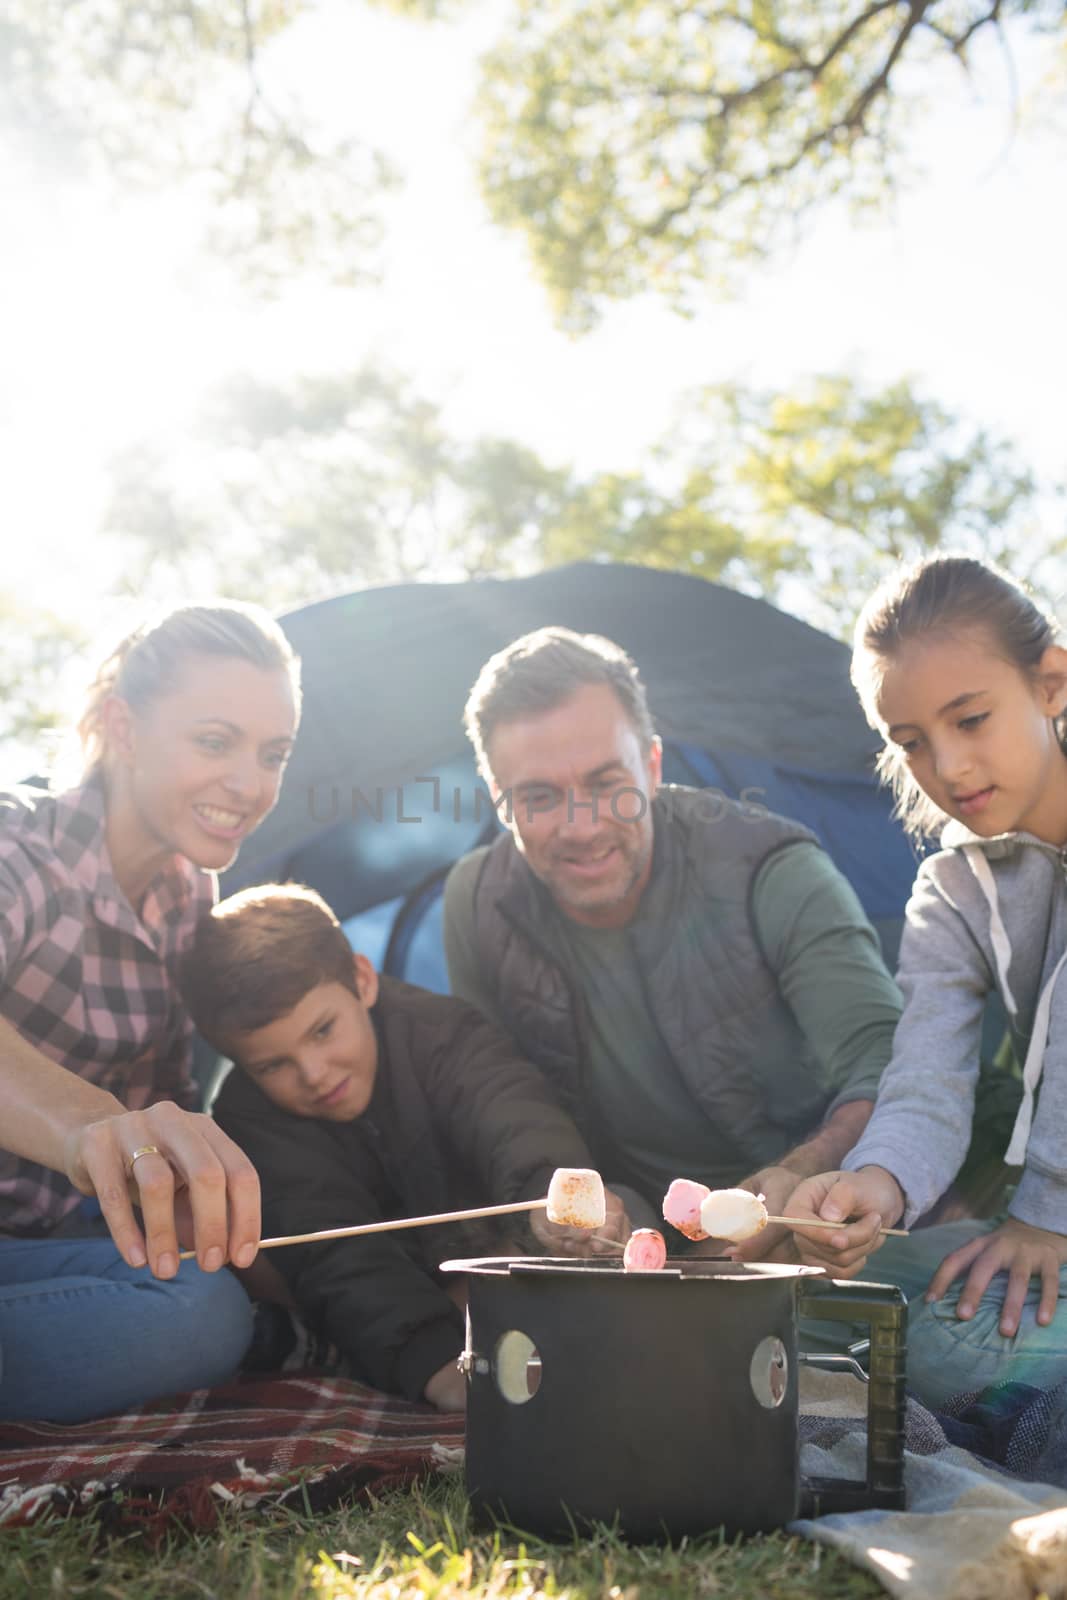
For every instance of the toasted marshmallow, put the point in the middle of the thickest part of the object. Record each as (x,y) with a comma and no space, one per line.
(681,1207)
(576,1198)
(733,1214)
(645,1251)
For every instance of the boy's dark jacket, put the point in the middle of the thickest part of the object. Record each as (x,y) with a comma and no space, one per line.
(458,1119)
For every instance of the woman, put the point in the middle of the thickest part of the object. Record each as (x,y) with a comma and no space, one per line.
(185,738)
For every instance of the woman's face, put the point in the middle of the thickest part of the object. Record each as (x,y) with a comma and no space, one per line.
(202,764)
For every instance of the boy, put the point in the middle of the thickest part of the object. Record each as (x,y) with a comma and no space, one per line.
(360,1099)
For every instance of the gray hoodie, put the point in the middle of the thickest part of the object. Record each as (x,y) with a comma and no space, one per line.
(984,914)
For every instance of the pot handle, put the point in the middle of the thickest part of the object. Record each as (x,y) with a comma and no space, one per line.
(884,1309)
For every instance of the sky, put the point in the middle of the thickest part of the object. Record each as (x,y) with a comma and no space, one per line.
(108,327)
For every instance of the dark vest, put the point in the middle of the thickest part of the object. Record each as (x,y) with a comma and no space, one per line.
(715,1000)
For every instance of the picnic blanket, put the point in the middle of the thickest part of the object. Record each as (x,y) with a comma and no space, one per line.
(986,1485)
(308,1440)
(987,1481)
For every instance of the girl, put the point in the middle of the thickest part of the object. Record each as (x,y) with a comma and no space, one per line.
(963,676)
(185,738)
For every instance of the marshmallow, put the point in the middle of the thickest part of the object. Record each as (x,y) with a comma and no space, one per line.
(576,1198)
(645,1251)
(681,1207)
(733,1214)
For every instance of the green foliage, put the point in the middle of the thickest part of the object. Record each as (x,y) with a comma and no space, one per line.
(815,494)
(37,651)
(806,497)
(338,482)
(154,94)
(659,144)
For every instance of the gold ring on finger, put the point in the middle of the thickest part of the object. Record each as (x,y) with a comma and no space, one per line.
(145,1150)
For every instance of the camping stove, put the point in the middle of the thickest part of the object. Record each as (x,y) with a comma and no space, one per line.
(665,1402)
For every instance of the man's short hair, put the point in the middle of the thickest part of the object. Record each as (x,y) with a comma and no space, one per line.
(543,669)
(257,955)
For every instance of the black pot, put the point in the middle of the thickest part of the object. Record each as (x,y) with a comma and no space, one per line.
(665,1402)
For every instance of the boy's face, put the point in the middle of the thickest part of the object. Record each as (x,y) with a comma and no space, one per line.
(320,1059)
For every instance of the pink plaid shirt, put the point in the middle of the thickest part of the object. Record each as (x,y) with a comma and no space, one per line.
(83,977)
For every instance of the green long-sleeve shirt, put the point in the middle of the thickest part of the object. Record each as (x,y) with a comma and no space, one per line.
(829,968)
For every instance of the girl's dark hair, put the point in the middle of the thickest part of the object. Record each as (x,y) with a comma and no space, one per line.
(941,595)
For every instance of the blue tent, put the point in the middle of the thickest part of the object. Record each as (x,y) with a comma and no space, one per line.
(382,795)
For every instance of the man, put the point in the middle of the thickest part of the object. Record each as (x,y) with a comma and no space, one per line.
(694,975)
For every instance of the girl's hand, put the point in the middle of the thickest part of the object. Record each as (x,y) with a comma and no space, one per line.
(197,1186)
(1023,1251)
(871,1197)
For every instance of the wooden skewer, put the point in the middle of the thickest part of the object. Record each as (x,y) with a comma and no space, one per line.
(389,1227)
(482,1211)
(818,1222)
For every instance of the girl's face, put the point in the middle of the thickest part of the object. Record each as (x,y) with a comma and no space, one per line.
(978,734)
(200,767)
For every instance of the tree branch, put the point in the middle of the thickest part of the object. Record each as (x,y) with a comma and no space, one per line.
(854,120)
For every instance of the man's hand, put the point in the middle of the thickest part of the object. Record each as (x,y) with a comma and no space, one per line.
(871,1197)
(196,1186)
(447,1389)
(561,1240)
(1021,1250)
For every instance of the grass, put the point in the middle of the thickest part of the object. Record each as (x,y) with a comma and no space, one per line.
(412,1545)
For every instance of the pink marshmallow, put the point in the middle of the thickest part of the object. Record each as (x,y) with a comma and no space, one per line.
(645,1251)
(681,1207)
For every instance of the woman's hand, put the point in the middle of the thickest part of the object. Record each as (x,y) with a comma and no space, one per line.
(1021,1250)
(563,1240)
(870,1198)
(193,1187)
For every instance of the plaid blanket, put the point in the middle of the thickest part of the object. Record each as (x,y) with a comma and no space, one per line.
(309,1441)
(987,1495)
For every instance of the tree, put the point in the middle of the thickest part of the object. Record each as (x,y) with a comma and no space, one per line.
(811,497)
(661,143)
(283,495)
(807,497)
(147,94)
(38,651)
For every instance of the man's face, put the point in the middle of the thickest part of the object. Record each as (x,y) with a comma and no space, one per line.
(581,792)
(320,1059)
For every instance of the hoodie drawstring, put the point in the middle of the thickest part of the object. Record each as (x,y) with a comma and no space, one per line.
(1015,1156)
(976,859)
(1035,1060)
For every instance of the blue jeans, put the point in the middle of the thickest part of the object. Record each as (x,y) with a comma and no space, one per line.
(83,1335)
(947,1355)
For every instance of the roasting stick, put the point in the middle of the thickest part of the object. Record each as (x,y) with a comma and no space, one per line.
(819,1222)
(391,1226)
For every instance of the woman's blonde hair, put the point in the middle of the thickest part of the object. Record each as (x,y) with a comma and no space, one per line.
(942,595)
(147,663)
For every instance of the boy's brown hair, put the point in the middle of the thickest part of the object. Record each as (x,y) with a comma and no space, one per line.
(257,955)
